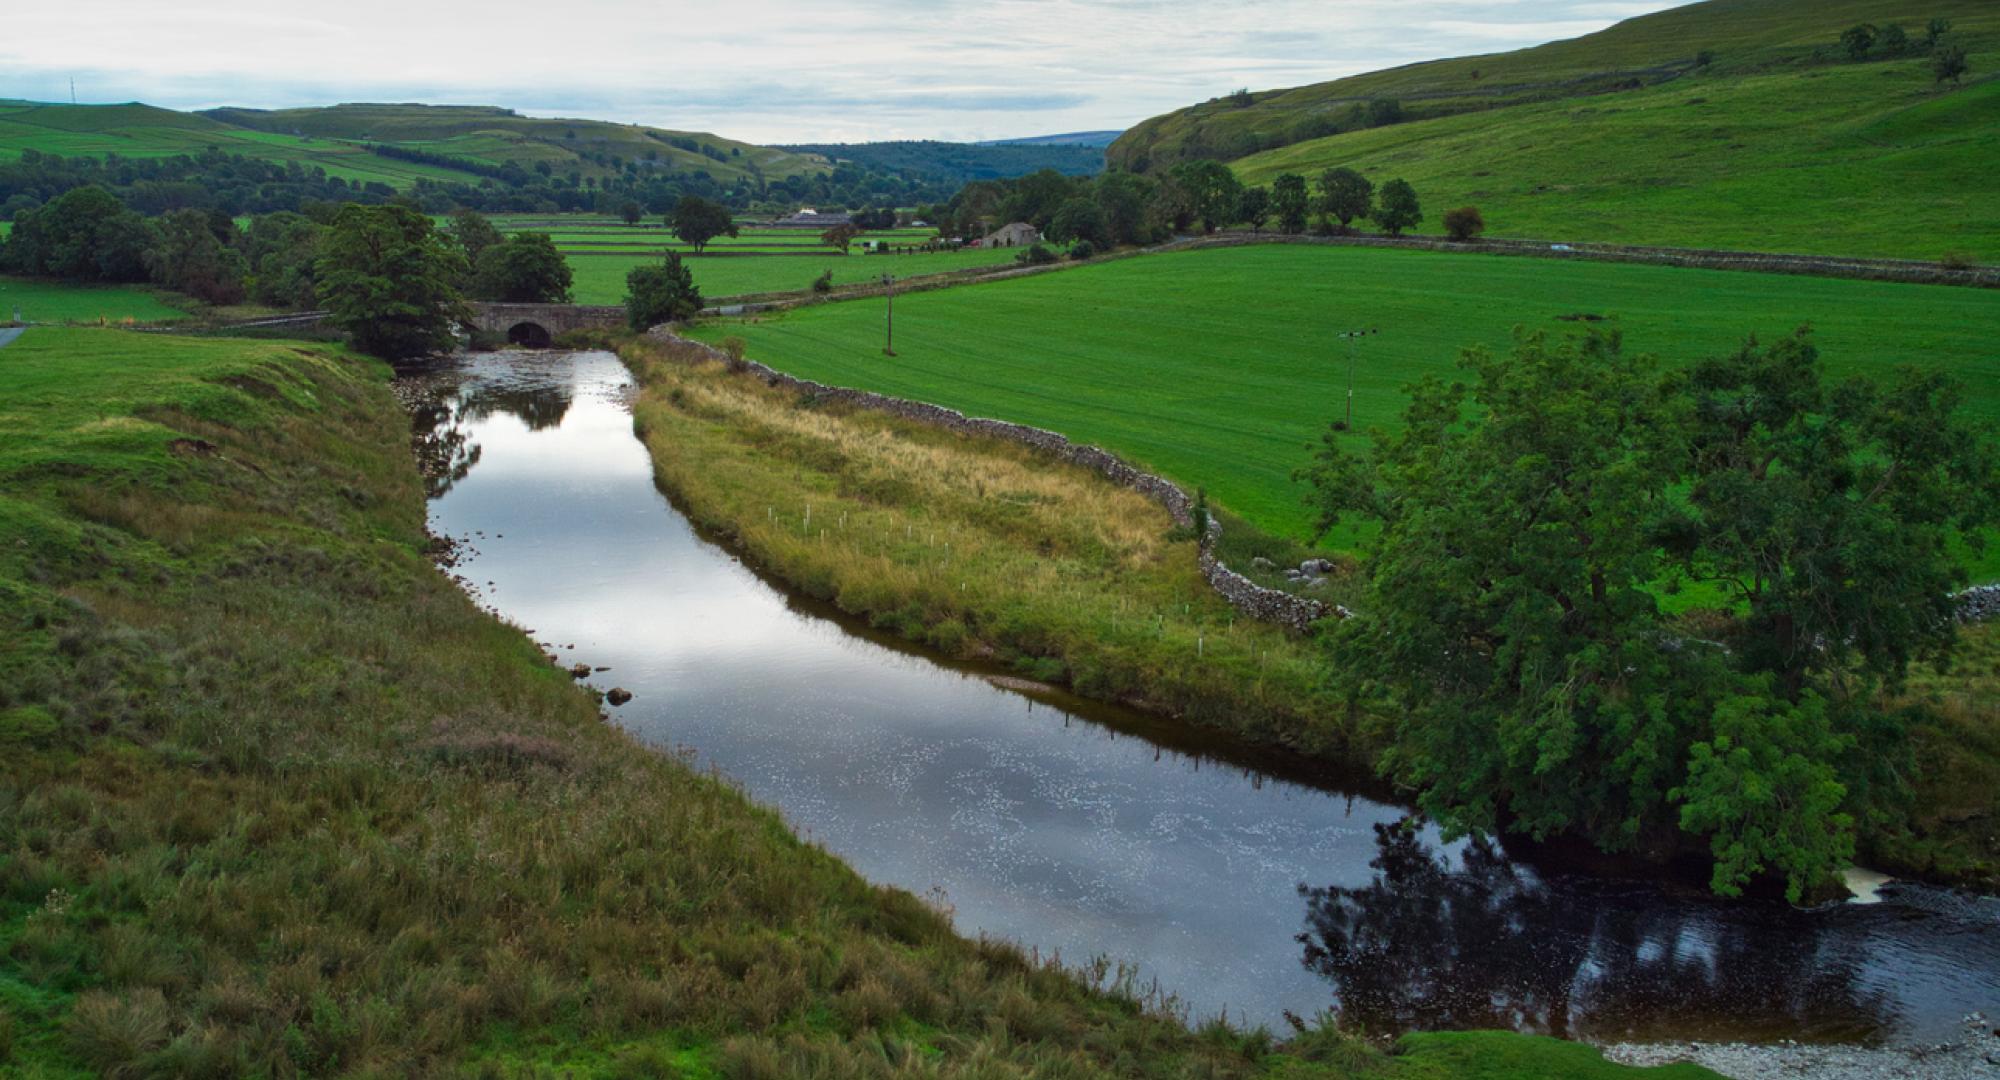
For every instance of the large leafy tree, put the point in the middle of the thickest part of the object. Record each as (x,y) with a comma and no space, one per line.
(473,233)
(523,269)
(1213,191)
(390,280)
(1530,516)
(1345,195)
(1254,208)
(187,256)
(283,249)
(662,293)
(697,221)
(1398,209)
(1080,219)
(85,234)
(1122,197)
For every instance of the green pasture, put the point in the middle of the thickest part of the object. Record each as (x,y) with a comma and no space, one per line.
(58,302)
(600,279)
(1848,159)
(1220,368)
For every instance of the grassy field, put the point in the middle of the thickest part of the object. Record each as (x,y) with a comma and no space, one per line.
(1775,143)
(57,302)
(600,279)
(1217,368)
(277,799)
(1894,167)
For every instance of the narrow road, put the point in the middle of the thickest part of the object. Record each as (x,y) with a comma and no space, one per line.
(7,336)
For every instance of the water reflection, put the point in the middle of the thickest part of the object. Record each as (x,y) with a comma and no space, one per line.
(1478,941)
(1088,830)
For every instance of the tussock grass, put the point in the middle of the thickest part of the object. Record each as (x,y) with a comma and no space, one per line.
(978,547)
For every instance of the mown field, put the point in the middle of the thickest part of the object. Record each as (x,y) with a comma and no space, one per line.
(1218,368)
(58,302)
(1849,159)
(276,798)
(600,279)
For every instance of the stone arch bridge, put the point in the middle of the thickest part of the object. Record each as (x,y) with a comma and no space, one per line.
(538,324)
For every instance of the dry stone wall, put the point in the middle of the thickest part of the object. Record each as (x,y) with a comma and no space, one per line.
(1270,605)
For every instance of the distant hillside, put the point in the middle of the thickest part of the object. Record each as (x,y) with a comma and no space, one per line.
(1074,138)
(497,136)
(1778,142)
(956,163)
(1737,36)
(445,142)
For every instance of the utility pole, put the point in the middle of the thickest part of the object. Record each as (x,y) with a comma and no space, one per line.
(72,89)
(889,341)
(1353,338)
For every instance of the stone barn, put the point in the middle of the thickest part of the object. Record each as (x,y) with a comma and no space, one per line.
(1019,234)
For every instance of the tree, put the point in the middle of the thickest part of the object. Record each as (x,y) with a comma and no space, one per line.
(84,234)
(1894,41)
(1948,62)
(473,233)
(840,236)
(1857,40)
(696,221)
(1398,209)
(1172,207)
(1934,33)
(1345,195)
(1384,111)
(282,249)
(660,294)
(1253,208)
(1079,219)
(390,280)
(1212,190)
(1288,200)
(630,211)
(1123,198)
(526,269)
(1464,223)
(187,257)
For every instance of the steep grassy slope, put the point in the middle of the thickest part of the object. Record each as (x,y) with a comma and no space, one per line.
(1851,159)
(1741,35)
(497,136)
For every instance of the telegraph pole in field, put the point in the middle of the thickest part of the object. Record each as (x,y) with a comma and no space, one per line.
(1353,338)
(889,325)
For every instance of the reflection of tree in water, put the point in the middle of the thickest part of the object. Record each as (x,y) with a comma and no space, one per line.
(540,405)
(438,415)
(1489,944)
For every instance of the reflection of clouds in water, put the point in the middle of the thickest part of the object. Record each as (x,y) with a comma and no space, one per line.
(1046,828)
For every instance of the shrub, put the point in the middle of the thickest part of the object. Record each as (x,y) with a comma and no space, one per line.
(1081,250)
(823,284)
(1957,260)
(112,1034)
(1038,255)
(734,347)
(1464,223)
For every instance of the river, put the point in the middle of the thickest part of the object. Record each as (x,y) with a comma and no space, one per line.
(1239,885)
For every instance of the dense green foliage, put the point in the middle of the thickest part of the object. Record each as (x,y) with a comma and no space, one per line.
(525,268)
(696,221)
(661,293)
(1511,626)
(390,280)
(1397,208)
(83,235)
(193,252)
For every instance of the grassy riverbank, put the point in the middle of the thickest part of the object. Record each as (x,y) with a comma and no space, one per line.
(977,547)
(276,799)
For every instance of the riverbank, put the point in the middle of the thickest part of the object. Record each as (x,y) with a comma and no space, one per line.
(1050,626)
(277,798)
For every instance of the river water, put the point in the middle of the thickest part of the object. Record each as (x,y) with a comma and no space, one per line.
(1237,885)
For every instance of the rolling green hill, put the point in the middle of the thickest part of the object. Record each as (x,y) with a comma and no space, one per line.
(1778,141)
(337,139)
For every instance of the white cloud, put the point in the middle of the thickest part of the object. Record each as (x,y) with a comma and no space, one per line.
(766,70)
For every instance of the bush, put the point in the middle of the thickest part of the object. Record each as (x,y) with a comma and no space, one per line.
(823,284)
(734,347)
(1038,255)
(1464,223)
(1957,260)
(1081,250)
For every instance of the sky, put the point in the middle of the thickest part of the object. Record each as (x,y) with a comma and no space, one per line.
(759,70)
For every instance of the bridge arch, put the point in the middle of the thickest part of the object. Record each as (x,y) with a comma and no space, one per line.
(531,334)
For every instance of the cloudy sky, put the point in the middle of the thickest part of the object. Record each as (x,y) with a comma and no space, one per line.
(762,70)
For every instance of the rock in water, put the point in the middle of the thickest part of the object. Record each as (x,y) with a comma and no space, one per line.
(618,695)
